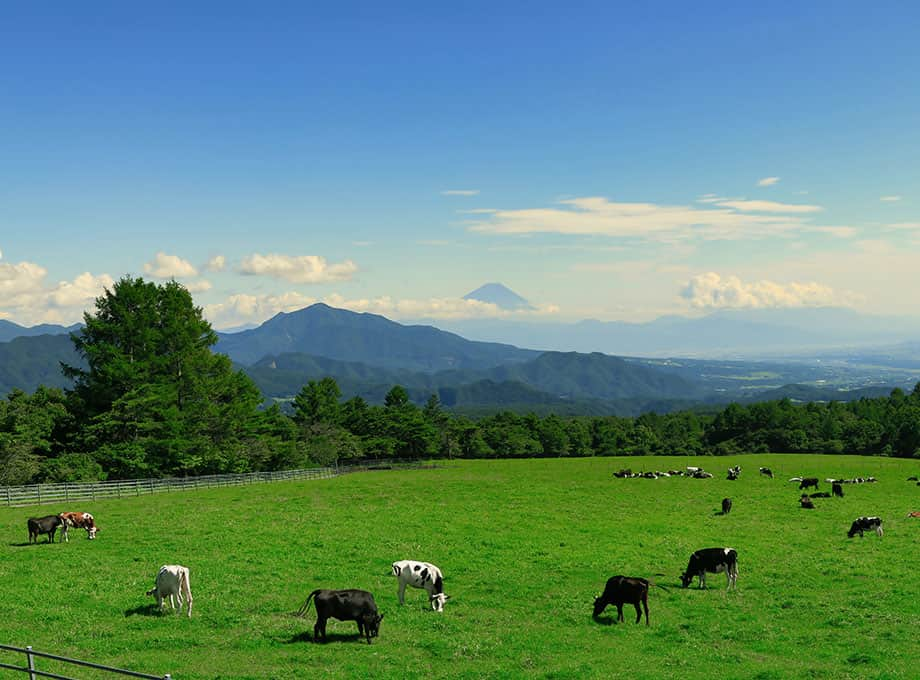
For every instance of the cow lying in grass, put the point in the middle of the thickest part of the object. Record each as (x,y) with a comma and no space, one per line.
(622,590)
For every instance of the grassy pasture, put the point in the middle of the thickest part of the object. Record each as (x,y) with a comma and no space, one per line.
(524,546)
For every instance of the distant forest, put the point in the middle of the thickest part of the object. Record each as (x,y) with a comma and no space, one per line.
(154,400)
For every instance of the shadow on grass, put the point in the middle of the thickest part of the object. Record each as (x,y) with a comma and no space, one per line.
(604,620)
(145,610)
(307,636)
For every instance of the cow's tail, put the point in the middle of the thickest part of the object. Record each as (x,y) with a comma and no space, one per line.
(306,605)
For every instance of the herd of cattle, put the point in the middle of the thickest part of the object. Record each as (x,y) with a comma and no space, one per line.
(172,581)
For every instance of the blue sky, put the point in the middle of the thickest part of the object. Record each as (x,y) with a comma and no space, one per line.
(614,162)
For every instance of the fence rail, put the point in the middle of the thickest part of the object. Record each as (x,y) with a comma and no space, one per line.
(41,494)
(34,673)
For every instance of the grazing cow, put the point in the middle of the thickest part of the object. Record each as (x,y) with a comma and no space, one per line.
(861,524)
(43,525)
(622,590)
(837,489)
(623,474)
(807,482)
(344,605)
(726,506)
(714,561)
(806,503)
(80,520)
(766,471)
(820,494)
(701,474)
(421,575)
(915,513)
(172,582)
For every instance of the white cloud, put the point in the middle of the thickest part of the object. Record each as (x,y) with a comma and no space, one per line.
(241,309)
(460,192)
(198,286)
(216,264)
(769,206)
(81,292)
(166,266)
(889,199)
(767,181)
(904,226)
(298,269)
(723,219)
(711,291)
(838,232)
(26,297)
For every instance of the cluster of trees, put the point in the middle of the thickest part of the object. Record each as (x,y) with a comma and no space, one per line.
(154,400)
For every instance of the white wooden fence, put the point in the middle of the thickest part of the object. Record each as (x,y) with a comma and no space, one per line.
(41,494)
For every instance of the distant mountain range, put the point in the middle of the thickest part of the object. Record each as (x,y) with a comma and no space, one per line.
(368,354)
(739,333)
(10,330)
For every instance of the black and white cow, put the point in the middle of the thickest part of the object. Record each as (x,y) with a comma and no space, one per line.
(43,525)
(837,489)
(734,472)
(766,471)
(726,506)
(421,575)
(805,502)
(861,524)
(344,605)
(713,561)
(622,590)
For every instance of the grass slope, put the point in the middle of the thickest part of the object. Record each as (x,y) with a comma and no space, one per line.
(524,546)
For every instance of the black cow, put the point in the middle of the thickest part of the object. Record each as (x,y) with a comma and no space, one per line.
(861,524)
(807,482)
(44,525)
(766,471)
(344,605)
(620,590)
(806,503)
(714,561)
(726,506)
(837,489)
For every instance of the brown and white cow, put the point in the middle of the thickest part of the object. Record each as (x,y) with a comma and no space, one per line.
(78,520)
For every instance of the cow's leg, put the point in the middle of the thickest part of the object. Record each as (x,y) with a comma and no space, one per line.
(645,606)
(638,612)
(879,531)
(702,579)
(620,611)
(402,592)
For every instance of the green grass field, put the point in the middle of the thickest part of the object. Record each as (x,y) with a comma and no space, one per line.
(524,547)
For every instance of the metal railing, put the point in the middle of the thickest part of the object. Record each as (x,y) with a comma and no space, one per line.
(40,494)
(34,673)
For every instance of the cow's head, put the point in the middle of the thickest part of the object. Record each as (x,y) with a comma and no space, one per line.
(685,579)
(438,600)
(599,606)
(372,624)
(91,532)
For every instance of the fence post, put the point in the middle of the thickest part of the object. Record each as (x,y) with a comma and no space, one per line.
(31,662)
(9,497)
(66,491)
(137,488)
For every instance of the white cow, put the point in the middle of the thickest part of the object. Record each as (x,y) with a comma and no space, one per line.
(421,575)
(172,582)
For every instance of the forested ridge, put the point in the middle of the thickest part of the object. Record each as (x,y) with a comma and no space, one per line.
(152,399)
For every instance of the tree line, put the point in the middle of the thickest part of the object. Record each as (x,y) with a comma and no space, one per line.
(154,400)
